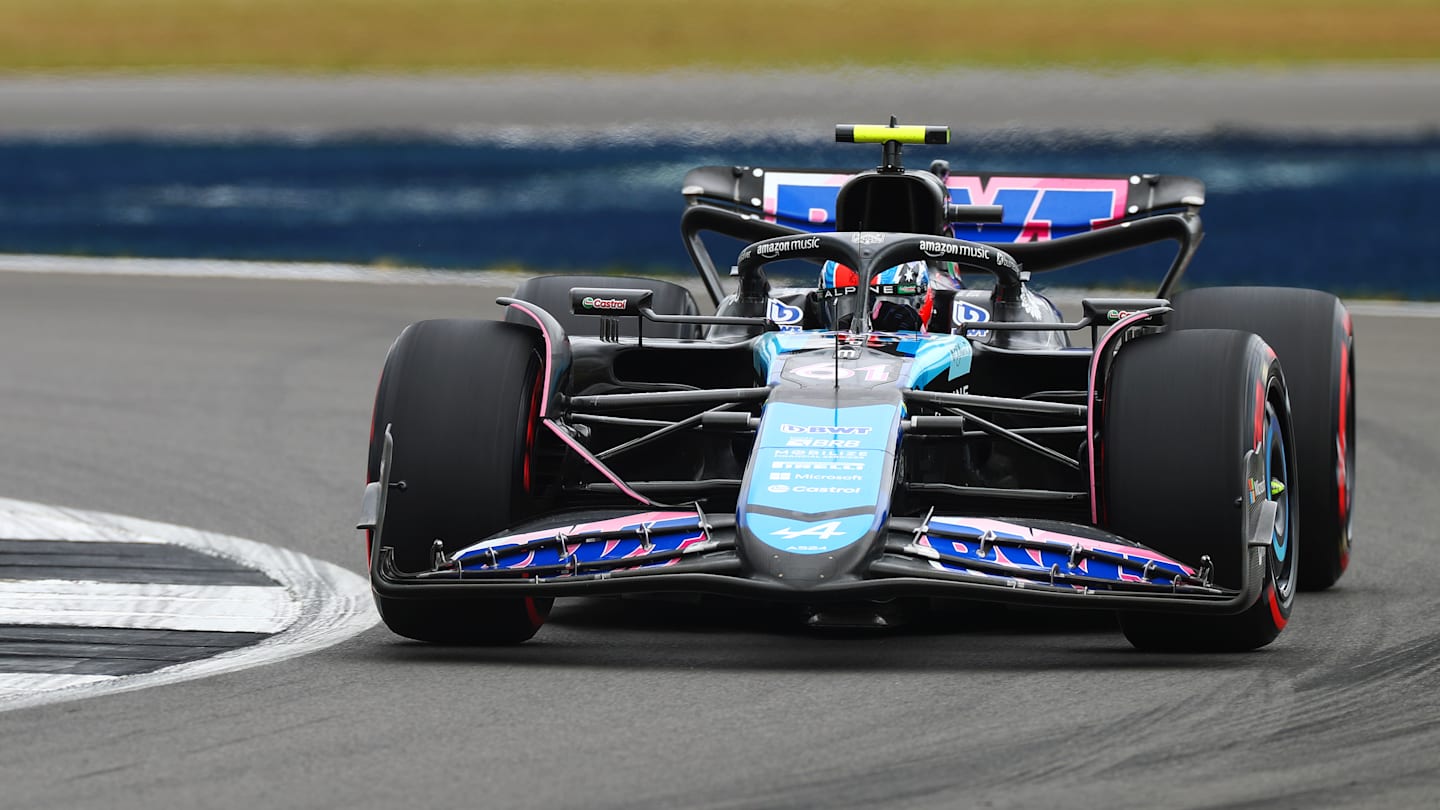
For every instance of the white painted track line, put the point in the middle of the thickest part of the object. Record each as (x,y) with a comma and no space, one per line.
(29,684)
(314,605)
(55,523)
(146,606)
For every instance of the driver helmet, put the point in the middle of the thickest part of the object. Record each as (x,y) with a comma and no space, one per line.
(901,302)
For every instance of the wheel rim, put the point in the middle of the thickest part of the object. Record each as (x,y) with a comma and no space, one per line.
(1278,476)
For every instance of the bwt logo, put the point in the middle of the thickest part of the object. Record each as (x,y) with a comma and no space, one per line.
(1037,209)
(604,303)
(827,430)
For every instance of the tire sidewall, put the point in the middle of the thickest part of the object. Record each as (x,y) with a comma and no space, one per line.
(1184,412)
(460,397)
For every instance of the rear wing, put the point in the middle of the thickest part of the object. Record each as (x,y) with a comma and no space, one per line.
(1037,207)
(1048,221)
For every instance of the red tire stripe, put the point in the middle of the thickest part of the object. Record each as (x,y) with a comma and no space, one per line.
(1275,612)
(1342,473)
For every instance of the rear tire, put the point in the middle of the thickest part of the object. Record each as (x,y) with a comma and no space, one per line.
(1312,333)
(1182,411)
(460,399)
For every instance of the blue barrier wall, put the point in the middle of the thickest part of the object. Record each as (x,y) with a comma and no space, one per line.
(1355,216)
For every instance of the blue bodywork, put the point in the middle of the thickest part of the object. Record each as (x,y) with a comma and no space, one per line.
(813,468)
(928,355)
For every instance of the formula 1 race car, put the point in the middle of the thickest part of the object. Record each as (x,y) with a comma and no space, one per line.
(884,437)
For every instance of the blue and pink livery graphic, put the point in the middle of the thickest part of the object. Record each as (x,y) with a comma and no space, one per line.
(1037,209)
(644,539)
(1002,550)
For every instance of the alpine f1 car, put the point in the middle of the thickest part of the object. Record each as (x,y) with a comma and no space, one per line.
(832,447)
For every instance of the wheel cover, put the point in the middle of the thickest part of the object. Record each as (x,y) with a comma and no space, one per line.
(1278,475)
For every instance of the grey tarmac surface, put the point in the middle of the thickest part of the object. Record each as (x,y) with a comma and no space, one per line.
(243,407)
(1349,100)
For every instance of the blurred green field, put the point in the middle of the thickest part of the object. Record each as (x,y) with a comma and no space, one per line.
(642,35)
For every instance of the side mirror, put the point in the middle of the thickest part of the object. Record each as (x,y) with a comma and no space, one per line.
(1105,311)
(608,302)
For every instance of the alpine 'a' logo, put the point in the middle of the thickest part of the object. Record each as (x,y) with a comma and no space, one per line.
(821,531)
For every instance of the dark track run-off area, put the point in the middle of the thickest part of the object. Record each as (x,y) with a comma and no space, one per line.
(243,407)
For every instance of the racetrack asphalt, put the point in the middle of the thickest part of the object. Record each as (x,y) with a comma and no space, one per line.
(558,107)
(243,407)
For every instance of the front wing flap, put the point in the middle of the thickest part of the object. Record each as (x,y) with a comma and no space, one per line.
(687,551)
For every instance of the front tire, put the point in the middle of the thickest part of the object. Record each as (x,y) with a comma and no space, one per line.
(460,399)
(1185,414)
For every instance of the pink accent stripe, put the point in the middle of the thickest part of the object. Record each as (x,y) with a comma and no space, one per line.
(1118,328)
(610,524)
(1132,552)
(597,463)
(545,408)
(984,525)
(549,356)
(982,193)
(1000,527)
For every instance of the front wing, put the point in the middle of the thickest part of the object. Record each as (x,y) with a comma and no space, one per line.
(687,551)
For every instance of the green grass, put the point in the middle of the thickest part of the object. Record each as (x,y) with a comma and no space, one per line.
(643,35)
